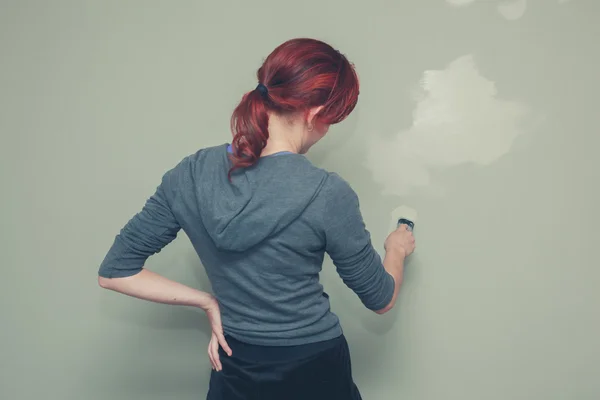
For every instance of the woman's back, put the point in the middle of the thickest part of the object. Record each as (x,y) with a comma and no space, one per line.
(261,218)
(262,239)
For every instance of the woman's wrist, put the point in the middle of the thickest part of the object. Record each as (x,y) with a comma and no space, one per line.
(397,252)
(206,301)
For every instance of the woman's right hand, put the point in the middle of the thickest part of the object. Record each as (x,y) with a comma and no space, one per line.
(217,338)
(401,240)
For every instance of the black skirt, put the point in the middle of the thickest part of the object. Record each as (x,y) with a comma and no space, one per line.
(318,371)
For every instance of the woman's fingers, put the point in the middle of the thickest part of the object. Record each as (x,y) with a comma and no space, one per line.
(214,345)
(217,337)
(210,355)
(224,344)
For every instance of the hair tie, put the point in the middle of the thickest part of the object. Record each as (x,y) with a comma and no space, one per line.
(262,89)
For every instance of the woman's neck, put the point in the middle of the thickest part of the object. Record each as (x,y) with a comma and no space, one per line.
(283,136)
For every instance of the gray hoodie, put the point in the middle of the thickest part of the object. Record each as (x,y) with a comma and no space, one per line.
(262,240)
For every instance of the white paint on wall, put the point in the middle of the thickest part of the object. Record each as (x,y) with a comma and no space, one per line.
(512,10)
(460,3)
(458,119)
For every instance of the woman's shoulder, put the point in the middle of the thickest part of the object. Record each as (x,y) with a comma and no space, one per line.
(201,158)
(188,167)
(336,192)
(337,184)
(216,151)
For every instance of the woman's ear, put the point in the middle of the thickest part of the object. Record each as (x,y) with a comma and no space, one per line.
(311,115)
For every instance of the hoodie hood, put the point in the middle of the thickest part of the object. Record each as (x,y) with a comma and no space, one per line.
(259,202)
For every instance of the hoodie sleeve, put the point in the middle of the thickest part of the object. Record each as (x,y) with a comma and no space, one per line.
(145,234)
(348,243)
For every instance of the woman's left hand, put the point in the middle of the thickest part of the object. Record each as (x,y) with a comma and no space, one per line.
(217,338)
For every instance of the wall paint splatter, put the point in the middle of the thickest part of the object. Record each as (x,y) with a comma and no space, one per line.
(458,119)
(512,10)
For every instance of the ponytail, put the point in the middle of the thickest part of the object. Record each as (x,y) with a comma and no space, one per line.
(249,125)
(298,75)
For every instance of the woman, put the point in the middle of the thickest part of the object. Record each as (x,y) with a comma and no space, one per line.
(261,218)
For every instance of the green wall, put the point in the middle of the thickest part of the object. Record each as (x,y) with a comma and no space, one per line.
(481,115)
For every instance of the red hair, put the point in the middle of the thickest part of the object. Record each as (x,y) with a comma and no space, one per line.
(299,74)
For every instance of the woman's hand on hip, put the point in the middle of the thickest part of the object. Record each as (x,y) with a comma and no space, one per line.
(217,337)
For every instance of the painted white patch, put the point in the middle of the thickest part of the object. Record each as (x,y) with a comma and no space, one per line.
(512,10)
(457,120)
(460,3)
(402,212)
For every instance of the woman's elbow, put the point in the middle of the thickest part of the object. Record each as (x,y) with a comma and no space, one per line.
(117,283)
(384,310)
(388,307)
(103,282)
